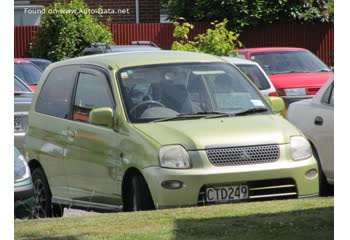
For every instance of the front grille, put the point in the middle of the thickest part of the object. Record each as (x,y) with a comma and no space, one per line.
(275,189)
(243,155)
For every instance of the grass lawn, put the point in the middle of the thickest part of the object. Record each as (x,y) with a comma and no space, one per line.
(289,219)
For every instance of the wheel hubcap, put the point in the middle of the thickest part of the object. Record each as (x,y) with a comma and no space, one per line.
(39,199)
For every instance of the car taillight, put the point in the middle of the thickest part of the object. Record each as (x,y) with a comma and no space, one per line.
(281,92)
(273,94)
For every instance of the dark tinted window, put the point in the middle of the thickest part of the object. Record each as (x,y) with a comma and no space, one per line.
(328,97)
(27,72)
(20,86)
(92,92)
(56,94)
(254,73)
(289,62)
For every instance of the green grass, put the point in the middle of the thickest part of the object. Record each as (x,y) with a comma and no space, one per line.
(290,219)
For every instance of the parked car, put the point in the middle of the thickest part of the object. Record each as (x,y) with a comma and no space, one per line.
(27,72)
(146,130)
(24,191)
(97,48)
(296,73)
(40,63)
(255,73)
(22,100)
(315,118)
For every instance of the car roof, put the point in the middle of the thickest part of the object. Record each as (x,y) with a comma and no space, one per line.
(239,61)
(130,59)
(21,60)
(124,48)
(271,49)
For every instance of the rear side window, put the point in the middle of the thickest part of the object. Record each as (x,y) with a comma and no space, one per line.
(92,92)
(56,94)
(254,73)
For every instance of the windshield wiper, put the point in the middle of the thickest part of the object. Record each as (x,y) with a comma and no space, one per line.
(324,70)
(189,115)
(246,111)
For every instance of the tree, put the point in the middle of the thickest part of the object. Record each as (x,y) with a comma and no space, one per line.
(66,29)
(245,13)
(218,41)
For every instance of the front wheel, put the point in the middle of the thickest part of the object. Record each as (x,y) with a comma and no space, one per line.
(138,197)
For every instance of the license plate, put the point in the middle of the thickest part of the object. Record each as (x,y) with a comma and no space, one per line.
(18,124)
(227,193)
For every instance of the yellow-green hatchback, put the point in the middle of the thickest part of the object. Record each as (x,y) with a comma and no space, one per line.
(152,130)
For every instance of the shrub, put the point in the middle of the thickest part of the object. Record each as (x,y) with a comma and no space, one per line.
(66,29)
(217,41)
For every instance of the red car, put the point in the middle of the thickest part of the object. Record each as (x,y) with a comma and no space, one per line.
(296,73)
(27,72)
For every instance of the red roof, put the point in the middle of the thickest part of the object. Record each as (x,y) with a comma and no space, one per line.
(270,49)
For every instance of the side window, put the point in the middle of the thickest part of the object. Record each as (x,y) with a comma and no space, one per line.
(328,96)
(92,92)
(56,94)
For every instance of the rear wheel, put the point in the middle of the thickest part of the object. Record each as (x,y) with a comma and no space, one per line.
(43,207)
(138,197)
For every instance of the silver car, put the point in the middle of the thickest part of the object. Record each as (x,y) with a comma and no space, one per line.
(255,73)
(22,99)
(315,118)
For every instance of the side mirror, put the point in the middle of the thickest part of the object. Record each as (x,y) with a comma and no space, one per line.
(102,116)
(277,104)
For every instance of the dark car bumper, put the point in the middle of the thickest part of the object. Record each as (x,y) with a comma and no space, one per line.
(24,201)
(290,99)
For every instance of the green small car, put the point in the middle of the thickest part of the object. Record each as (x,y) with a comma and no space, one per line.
(153,130)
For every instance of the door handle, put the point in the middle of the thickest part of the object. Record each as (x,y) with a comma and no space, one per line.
(71,133)
(318,121)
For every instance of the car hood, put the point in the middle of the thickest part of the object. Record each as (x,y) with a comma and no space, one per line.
(294,80)
(202,134)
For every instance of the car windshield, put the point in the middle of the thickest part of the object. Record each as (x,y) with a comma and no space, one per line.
(289,62)
(255,74)
(41,64)
(28,73)
(20,86)
(187,91)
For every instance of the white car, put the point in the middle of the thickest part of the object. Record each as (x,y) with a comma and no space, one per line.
(255,73)
(315,118)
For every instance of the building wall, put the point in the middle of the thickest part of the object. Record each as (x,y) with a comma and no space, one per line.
(149,10)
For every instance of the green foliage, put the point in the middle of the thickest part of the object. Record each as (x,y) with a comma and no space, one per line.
(245,13)
(66,29)
(218,41)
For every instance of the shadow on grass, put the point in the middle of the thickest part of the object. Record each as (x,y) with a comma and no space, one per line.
(308,224)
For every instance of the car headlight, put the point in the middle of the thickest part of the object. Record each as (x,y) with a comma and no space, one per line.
(174,156)
(295,91)
(22,171)
(300,148)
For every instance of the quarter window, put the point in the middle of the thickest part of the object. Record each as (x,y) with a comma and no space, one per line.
(92,92)
(55,96)
(328,97)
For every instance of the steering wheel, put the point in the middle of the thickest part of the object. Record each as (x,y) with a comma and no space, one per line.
(132,110)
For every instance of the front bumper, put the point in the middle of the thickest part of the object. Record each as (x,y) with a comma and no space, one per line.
(204,174)
(24,199)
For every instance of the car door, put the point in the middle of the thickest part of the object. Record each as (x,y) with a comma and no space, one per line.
(324,131)
(48,124)
(92,151)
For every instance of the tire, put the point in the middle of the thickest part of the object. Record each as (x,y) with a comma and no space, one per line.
(325,188)
(43,207)
(138,196)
